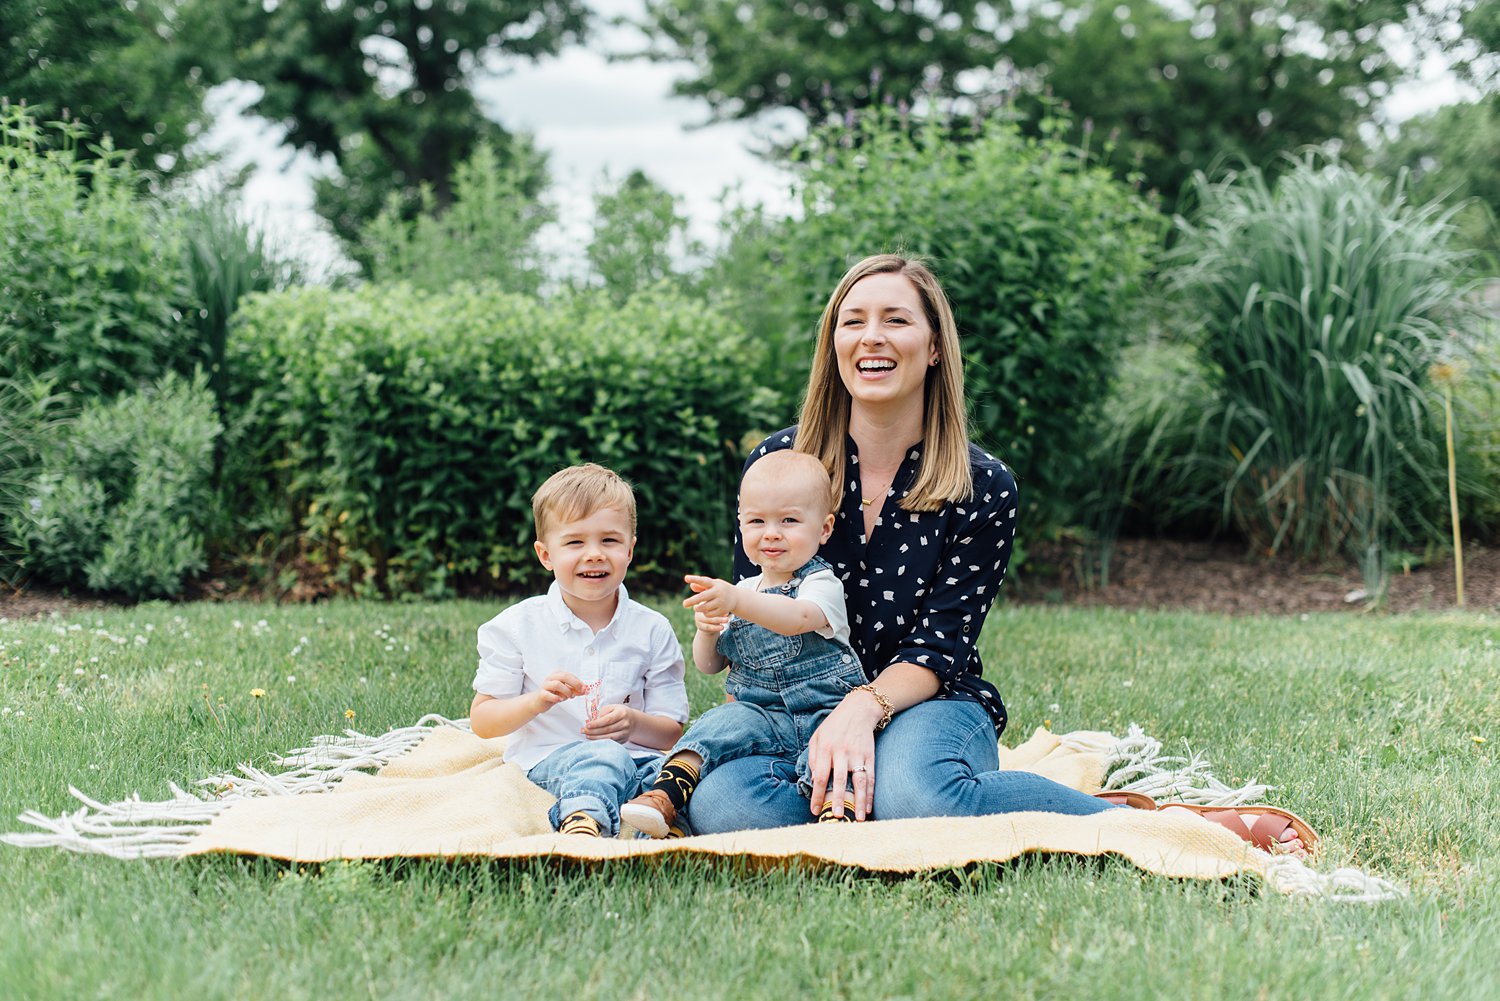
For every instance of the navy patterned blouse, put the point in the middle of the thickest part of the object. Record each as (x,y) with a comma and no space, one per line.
(918,590)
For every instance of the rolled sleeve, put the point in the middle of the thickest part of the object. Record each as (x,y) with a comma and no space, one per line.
(966,582)
(664,691)
(501,672)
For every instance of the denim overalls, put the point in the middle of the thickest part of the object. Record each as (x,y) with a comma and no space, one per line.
(782,686)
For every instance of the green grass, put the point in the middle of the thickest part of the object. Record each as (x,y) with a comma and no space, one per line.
(1365,723)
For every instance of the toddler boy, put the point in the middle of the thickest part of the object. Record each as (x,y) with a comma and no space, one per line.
(587,682)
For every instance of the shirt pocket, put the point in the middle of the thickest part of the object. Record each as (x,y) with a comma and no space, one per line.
(623,685)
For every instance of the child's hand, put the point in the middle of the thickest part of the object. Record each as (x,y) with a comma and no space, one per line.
(713,596)
(559,686)
(709,623)
(613,723)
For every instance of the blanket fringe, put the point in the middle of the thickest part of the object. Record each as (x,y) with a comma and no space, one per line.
(136,828)
(1346,886)
(1135,763)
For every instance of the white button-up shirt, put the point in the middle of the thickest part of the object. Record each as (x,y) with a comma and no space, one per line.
(637,657)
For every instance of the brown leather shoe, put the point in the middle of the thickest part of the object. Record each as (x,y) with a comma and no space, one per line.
(651,813)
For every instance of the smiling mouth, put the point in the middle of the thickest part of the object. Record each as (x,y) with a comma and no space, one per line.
(875,365)
(593,574)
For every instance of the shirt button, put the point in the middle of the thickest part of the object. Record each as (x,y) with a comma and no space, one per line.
(966,628)
(590,650)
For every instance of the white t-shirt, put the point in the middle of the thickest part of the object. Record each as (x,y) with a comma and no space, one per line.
(637,657)
(824,589)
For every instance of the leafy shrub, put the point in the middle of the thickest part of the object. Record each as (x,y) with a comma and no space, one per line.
(1147,477)
(636,231)
(92,290)
(403,432)
(1040,253)
(1318,308)
(487,234)
(120,501)
(29,421)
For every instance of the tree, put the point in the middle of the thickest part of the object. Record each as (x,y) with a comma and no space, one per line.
(1181,83)
(1454,153)
(1184,89)
(131,71)
(384,89)
(751,57)
(635,228)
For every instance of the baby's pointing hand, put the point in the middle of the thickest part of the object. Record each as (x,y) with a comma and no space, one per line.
(712,596)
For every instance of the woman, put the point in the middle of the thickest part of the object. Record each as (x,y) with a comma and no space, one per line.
(923,537)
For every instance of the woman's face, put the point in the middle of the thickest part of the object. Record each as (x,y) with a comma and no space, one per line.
(883,341)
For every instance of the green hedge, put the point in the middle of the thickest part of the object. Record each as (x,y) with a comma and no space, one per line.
(399,434)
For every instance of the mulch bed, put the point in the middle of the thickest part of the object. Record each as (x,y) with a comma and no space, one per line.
(1221,577)
(1143,573)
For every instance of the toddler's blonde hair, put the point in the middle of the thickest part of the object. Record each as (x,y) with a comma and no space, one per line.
(575,493)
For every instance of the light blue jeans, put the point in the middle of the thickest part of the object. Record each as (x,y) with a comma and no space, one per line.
(936,759)
(594,776)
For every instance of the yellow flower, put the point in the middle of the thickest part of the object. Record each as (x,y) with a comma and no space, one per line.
(1477,739)
(258,693)
(348,714)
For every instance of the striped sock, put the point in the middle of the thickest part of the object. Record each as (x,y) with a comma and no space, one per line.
(579,822)
(678,779)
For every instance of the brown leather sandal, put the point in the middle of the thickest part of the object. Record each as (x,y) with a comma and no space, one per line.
(1134,800)
(1264,832)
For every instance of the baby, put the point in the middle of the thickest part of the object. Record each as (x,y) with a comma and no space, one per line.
(783,634)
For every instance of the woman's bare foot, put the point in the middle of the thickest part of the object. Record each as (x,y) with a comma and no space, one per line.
(1268,828)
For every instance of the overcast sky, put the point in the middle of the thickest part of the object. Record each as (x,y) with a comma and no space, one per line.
(595,119)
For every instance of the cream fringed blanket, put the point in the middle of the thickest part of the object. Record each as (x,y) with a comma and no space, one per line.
(445,792)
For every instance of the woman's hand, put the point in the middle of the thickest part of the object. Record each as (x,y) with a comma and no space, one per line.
(842,750)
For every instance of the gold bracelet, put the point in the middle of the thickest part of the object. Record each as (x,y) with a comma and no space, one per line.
(887,707)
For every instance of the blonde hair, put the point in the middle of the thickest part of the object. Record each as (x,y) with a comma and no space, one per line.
(577,492)
(798,472)
(823,428)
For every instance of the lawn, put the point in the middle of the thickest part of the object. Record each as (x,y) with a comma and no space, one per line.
(1381,731)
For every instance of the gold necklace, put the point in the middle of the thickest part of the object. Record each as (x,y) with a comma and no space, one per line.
(866,501)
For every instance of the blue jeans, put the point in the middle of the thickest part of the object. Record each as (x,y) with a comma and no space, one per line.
(594,776)
(936,759)
(783,688)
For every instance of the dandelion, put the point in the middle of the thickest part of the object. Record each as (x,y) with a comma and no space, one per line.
(348,714)
(258,693)
(1477,739)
